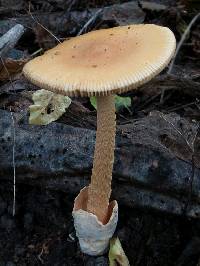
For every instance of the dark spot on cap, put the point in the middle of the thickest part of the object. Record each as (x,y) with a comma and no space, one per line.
(129,27)
(73,56)
(74,46)
(56,53)
(94,66)
(111,34)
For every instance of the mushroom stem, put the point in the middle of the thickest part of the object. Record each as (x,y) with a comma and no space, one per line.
(100,187)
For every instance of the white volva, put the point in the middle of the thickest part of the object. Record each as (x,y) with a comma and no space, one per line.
(92,234)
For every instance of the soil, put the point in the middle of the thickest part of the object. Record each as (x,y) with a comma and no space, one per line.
(42,232)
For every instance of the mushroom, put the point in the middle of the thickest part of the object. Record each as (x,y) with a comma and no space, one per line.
(102,63)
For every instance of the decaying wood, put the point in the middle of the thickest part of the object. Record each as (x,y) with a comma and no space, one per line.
(9,39)
(154,160)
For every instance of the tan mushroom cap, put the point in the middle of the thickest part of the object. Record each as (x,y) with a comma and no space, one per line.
(104,62)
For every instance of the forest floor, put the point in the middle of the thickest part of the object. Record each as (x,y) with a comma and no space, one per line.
(42,232)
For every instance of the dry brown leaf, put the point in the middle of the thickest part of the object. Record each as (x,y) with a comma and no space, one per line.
(11,67)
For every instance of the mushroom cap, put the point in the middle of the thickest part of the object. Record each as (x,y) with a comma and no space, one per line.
(104,62)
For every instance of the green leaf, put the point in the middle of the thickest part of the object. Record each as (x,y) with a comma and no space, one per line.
(120,102)
(116,254)
(93,102)
(47,107)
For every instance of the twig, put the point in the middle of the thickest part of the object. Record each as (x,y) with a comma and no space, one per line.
(37,52)
(40,256)
(90,21)
(176,108)
(182,41)
(14,167)
(178,49)
(29,12)
(71,5)
(10,38)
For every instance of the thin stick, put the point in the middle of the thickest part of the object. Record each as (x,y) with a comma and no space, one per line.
(90,21)
(29,12)
(10,38)
(71,5)
(37,52)
(14,166)
(182,41)
(178,49)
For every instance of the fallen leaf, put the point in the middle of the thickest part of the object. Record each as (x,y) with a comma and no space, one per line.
(47,107)
(93,102)
(116,254)
(11,67)
(120,102)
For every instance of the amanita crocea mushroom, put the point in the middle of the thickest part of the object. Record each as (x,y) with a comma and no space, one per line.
(102,63)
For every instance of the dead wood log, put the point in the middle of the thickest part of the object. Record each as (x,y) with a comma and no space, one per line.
(154,166)
(9,39)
